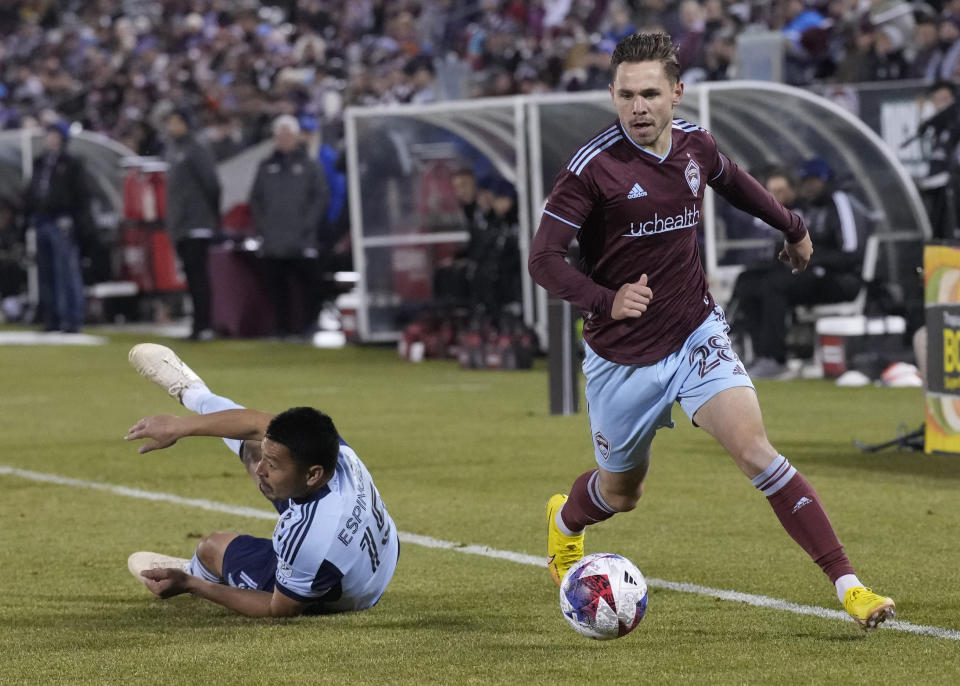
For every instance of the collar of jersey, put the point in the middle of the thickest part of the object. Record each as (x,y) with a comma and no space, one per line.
(643,149)
(316,496)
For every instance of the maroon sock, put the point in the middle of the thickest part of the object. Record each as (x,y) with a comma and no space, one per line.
(585,505)
(799,509)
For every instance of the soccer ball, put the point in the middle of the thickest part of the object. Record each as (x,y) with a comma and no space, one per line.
(603,596)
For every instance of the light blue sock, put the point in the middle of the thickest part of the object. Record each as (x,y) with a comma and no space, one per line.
(200,399)
(197,568)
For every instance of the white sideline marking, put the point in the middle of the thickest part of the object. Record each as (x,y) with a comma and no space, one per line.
(519,558)
(49,338)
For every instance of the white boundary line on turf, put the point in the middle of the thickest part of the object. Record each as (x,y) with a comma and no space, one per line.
(519,558)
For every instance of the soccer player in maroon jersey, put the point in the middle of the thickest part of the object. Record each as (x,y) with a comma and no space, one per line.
(653,334)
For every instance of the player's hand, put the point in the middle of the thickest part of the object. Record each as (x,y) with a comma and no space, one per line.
(797,255)
(160,430)
(166,583)
(632,299)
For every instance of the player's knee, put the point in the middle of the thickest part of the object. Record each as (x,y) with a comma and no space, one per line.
(204,549)
(210,549)
(754,455)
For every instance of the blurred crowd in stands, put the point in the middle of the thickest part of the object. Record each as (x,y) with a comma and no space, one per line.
(117,65)
(232,69)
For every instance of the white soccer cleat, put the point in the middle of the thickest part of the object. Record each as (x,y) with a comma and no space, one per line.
(159,364)
(143,560)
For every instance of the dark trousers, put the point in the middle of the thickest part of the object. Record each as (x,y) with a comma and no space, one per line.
(58,267)
(941,204)
(289,280)
(764,297)
(194,254)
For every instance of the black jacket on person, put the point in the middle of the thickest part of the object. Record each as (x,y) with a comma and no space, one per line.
(193,188)
(60,190)
(838,229)
(288,199)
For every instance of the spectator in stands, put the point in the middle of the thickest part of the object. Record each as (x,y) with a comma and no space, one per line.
(496,283)
(940,133)
(421,76)
(288,201)
(692,40)
(766,298)
(505,223)
(925,49)
(799,17)
(619,23)
(325,145)
(468,196)
(720,56)
(853,53)
(942,65)
(895,14)
(116,68)
(58,203)
(193,213)
(454,275)
(888,60)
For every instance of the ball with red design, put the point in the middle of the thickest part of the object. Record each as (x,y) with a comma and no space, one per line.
(603,596)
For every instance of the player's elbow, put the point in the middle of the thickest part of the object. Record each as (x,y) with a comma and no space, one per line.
(538,265)
(532,265)
(285,608)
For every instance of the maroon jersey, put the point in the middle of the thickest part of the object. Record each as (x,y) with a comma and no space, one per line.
(636,213)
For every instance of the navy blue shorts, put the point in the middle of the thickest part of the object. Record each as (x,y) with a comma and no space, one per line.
(249,562)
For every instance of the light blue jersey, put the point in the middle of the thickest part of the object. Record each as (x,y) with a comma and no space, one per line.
(335,552)
(341,545)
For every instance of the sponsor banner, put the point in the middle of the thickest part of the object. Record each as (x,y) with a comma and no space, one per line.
(941,268)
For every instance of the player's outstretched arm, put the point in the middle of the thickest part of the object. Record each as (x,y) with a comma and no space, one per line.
(163,430)
(166,583)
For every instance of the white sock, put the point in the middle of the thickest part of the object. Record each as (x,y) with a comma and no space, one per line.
(845,583)
(197,568)
(198,398)
(563,527)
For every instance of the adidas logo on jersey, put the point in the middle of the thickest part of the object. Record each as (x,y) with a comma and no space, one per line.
(636,192)
(801,503)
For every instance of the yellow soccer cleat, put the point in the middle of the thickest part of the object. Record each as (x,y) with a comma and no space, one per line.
(868,609)
(562,550)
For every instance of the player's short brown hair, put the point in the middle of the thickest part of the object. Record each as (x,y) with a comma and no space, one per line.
(647,47)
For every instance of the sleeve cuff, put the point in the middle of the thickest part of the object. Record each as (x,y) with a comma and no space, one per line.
(294,595)
(795,235)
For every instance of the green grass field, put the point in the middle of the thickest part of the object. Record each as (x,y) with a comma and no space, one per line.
(468,457)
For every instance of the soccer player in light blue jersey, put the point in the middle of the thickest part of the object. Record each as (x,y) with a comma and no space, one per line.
(334,548)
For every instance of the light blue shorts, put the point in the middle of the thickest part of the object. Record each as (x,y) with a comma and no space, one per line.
(628,403)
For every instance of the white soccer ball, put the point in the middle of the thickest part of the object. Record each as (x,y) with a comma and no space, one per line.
(603,596)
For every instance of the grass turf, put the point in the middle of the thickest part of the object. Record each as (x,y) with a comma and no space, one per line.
(469,457)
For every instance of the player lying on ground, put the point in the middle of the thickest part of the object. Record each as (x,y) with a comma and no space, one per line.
(334,548)
(653,334)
